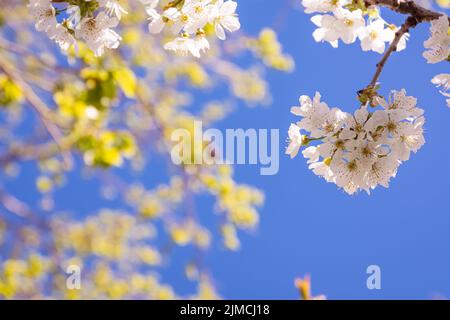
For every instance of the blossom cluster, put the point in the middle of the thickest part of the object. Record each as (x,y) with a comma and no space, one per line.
(438,45)
(93,21)
(345,21)
(90,21)
(186,21)
(362,150)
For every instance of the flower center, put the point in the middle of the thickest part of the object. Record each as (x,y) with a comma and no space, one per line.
(329,128)
(198,9)
(366,152)
(91,25)
(339,144)
(48,13)
(349,22)
(184,18)
(352,166)
(358,128)
(391,126)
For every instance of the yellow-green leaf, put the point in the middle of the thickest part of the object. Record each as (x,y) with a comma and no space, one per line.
(126,79)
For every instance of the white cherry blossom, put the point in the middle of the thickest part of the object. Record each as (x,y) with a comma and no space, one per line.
(295,140)
(348,24)
(44,14)
(443,80)
(322,6)
(326,30)
(438,44)
(62,37)
(98,34)
(224,18)
(113,8)
(375,36)
(182,45)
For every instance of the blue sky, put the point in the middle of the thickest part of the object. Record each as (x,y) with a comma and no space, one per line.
(308,226)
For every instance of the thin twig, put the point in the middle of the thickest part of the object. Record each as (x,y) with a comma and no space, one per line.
(411,22)
(417,14)
(28,152)
(20,50)
(14,205)
(39,106)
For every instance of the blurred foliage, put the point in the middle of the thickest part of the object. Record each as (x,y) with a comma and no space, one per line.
(443,3)
(105,119)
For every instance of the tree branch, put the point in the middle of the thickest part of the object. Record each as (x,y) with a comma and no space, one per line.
(411,22)
(417,14)
(14,205)
(28,152)
(41,109)
(407,7)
